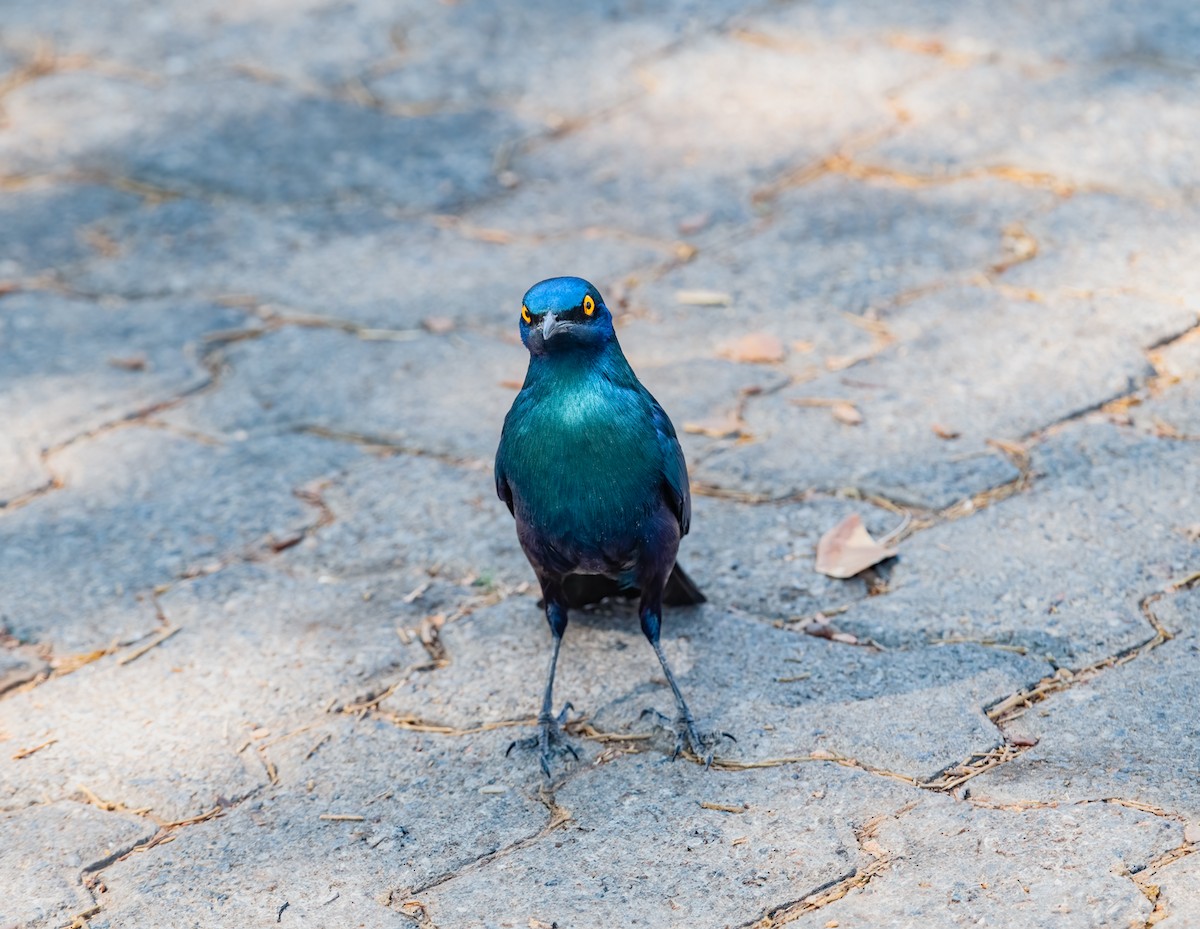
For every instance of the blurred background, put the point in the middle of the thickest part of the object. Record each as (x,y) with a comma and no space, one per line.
(260,274)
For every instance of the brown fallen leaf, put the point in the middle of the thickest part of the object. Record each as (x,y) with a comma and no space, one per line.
(728,426)
(847,413)
(1024,741)
(703,298)
(944,432)
(848,549)
(755,348)
(136,362)
(511,385)
(437,325)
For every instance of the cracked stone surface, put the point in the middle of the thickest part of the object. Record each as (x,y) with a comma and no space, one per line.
(361,263)
(46,851)
(997,867)
(71,366)
(631,816)
(141,507)
(1011,572)
(1142,747)
(265,622)
(339,870)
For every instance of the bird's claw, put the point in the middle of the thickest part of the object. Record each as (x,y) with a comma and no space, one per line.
(550,740)
(688,737)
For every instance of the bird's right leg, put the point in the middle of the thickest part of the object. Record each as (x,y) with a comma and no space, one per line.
(550,739)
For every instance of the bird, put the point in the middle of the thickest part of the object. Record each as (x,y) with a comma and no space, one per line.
(591,470)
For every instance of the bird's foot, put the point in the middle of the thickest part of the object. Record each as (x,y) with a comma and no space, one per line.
(688,737)
(550,740)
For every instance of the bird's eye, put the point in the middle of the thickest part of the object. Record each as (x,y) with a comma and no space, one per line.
(525,314)
(589,305)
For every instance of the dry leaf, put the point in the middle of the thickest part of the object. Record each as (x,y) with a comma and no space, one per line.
(717,427)
(703,298)
(847,413)
(756,348)
(136,362)
(511,385)
(437,325)
(944,432)
(1024,741)
(848,549)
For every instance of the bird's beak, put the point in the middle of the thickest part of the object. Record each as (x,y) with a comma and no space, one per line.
(549,325)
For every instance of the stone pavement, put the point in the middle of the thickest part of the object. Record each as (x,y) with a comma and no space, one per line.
(266,631)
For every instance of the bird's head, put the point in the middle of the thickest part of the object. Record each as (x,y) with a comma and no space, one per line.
(564,314)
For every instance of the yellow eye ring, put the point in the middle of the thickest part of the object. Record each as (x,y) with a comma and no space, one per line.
(589,305)
(525,314)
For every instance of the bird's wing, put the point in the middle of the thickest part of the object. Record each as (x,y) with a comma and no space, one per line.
(503,491)
(675,476)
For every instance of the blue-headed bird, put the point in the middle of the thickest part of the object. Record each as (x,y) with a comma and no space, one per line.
(591,469)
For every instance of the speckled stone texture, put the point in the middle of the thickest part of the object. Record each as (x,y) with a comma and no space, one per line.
(266,634)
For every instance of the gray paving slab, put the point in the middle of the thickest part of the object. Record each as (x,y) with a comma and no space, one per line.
(359,263)
(1090,245)
(1173,408)
(19,666)
(956,225)
(142,507)
(939,376)
(45,226)
(407,513)
(789,830)
(719,119)
(236,137)
(954,865)
(1078,32)
(429,806)
(1179,891)
(1085,127)
(1011,573)
(781,693)
(257,655)
(399,392)
(71,366)
(529,62)
(1128,722)
(46,852)
(312,44)
(837,246)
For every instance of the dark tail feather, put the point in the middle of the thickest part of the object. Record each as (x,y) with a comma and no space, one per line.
(582,589)
(681,590)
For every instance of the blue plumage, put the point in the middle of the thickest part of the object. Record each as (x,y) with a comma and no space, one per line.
(591,469)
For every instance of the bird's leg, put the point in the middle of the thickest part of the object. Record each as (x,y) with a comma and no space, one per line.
(550,740)
(685,723)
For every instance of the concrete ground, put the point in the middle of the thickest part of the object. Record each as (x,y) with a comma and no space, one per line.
(266,631)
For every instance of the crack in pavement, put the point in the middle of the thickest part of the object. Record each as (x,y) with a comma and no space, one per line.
(1015,705)
(831,891)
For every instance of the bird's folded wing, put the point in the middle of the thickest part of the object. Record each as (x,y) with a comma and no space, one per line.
(675,478)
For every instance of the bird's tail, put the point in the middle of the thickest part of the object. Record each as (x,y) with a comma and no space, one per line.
(681,590)
(582,589)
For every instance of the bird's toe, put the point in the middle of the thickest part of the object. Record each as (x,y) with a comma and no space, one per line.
(550,742)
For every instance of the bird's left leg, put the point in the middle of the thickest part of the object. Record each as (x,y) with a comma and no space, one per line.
(701,745)
(550,739)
